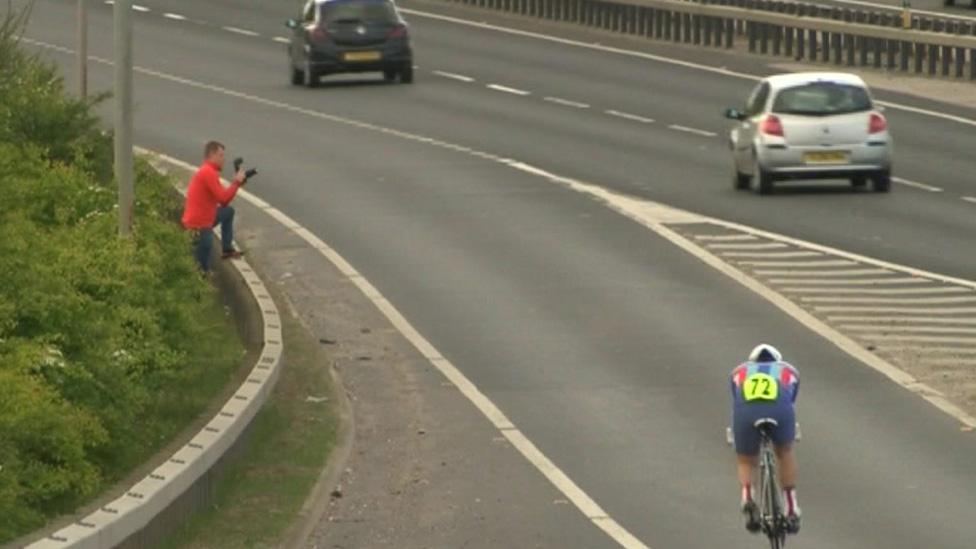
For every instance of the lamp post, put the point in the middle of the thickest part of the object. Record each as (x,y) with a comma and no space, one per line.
(83,48)
(123,112)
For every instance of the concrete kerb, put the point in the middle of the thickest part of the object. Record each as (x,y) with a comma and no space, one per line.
(126,520)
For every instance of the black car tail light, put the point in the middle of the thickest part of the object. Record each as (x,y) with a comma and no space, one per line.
(399,31)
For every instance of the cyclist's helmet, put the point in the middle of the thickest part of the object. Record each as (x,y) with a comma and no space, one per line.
(765,353)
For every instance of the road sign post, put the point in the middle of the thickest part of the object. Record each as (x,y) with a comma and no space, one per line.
(123,112)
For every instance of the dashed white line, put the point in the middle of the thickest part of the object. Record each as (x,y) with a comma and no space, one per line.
(139,8)
(453,76)
(970,199)
(771,255)
(243,32)
(506,89)
(915,349)
(174,16)
(281,40)
(631,117)
(752,246)
(725,237)
(567,102)
(694,131)
(909,310)
(819,263)
(918,339)
(885,291)
(917,185)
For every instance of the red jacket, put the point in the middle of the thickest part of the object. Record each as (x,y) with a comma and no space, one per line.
(203,195)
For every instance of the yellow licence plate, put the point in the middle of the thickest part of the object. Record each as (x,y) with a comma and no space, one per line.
(362,56)
(825,157)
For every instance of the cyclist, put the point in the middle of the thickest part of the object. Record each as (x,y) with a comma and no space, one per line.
(765,387)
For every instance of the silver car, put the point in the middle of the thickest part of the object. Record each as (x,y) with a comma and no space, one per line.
(810,126)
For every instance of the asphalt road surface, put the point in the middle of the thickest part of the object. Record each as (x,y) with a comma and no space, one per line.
(605,344)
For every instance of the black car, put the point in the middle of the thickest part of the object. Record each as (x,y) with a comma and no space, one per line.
(338,36)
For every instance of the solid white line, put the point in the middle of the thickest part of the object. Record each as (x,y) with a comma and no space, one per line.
(139,8)
(772,255)
(917,185)
(282,40)
(969,199)
(174,16)
(686,129)
(849,281)
(820,263)
(566,102)
(885,291)
(696,66)
(506,89)
(631,117)
(903,319)
(453,76)
(911,329)
(890,300)
(755,246)
(724,237)
(244,32)
(958,361)
(909,310)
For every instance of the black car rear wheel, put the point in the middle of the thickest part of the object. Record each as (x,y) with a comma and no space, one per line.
(406,74)
(389,75)
(881,181)
(311,77)
(297,75)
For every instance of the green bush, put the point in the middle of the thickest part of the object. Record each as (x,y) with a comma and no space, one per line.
(109,346)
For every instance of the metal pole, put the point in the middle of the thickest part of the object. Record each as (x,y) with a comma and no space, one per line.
(83,48)
(123,112)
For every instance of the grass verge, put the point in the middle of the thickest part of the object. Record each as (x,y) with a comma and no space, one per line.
(260,495)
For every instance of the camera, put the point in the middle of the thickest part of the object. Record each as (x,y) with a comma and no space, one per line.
(248,174)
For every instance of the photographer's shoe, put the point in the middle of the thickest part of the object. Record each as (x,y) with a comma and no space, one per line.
(231,254)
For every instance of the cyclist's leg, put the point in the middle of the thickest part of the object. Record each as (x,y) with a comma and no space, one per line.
(783,439)
(746,441)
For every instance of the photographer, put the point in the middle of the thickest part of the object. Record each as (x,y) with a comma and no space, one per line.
(208,203)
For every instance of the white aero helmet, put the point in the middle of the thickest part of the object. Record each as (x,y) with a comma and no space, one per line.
(765,353)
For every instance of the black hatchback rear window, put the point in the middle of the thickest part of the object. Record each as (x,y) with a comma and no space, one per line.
(822,99)
(358,11)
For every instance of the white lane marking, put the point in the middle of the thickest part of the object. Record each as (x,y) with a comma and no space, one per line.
(687,64)
(725,237)
(917,185)
(945,311)
(566,102)
(174,16)
(969,199)
(631,117)
(243,32)
(139,8)
(772,255)
(821,263)
(694,131)
(886,291)
(282,40)
(958,361)
(638,210)
(849,281)
(912,329)
(830,273)
(903,319)
(563,483)
(890,300)
(453,76)
(919,339)
(506,89)
(756,246)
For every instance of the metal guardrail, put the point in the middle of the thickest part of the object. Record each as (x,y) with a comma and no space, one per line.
(797,35)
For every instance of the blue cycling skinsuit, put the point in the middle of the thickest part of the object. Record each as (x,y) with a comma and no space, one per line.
(763,390)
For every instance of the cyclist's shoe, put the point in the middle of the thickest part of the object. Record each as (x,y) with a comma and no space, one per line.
(793,523)
(751,513)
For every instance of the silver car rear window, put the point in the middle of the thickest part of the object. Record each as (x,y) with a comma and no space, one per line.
(821,99)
